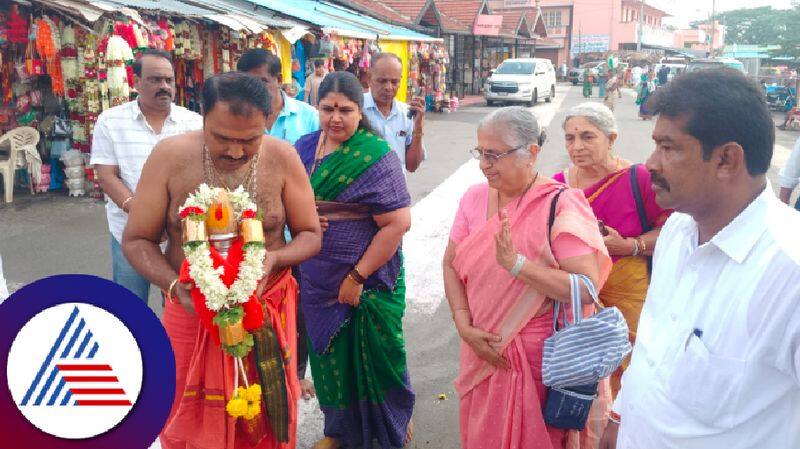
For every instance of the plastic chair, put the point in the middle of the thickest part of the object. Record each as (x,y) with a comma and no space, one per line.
(18,138)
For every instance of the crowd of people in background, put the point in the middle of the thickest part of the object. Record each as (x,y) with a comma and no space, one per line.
(693,248)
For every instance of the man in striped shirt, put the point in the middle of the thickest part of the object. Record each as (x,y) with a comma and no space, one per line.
(122,140)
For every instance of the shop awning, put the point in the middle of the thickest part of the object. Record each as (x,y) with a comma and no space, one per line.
(232,14)
(336,19)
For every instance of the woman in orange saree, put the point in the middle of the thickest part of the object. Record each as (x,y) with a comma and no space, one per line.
(502,265)
(622,198)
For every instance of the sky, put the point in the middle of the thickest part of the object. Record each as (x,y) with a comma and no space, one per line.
(685,11)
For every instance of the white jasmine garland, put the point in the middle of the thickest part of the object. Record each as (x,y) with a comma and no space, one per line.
(201,266)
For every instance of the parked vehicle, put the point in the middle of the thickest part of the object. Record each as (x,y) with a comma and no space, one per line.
(780,98)
(674,69)
(576,73)
(521,80)
(715,63)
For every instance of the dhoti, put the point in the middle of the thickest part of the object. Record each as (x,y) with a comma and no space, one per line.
(205,379)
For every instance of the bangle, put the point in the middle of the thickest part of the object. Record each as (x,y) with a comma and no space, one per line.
(356,276)
(614,417)
(635,248)
(169,291)
(642,245)
(514,271)
(127,200)
(455,311)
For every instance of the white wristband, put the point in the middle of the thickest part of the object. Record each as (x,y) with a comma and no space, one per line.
(514,271)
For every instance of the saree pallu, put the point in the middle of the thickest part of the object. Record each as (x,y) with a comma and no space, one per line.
(205,378)
(357,355)
(506,306)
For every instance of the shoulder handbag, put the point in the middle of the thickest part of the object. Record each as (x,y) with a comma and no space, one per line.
(588,349)
(577,356)
(566,408)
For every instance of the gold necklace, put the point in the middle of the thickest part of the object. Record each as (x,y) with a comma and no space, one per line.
(213,174)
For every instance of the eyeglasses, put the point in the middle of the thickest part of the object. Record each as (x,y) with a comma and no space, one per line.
(477,153)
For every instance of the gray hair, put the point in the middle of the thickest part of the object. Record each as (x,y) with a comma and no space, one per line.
(597,114)
(517,126)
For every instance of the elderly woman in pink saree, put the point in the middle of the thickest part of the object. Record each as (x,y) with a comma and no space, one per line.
(502,272)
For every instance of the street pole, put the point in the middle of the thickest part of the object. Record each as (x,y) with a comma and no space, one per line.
(713,26)
(641,28)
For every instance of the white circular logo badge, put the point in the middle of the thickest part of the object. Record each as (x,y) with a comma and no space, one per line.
(74,371)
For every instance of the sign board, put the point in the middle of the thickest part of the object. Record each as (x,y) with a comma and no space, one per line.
(590,43)
(487,25)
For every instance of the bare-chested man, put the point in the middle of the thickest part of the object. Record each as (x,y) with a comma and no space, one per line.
(231,146)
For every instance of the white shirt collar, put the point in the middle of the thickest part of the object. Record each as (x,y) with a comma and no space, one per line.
(137,112)
(369,103)
(738,237)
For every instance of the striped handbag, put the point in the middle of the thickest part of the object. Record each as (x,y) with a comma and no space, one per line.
(590,348)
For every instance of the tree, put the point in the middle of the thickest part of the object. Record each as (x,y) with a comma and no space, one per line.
(789,39)
(754,26)
(764,26)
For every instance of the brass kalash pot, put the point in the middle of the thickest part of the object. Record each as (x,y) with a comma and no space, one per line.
(220,230)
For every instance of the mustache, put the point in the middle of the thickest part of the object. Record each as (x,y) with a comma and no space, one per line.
(165,92)
(659,180)
(234,159)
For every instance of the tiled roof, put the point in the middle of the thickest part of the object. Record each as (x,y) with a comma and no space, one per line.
(410,8)
(463,11)
(511,19)
(453,25)
(380,9)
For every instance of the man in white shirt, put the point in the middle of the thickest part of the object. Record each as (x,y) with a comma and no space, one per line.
(790,176)
(716,363)
(390,117)
(122,140)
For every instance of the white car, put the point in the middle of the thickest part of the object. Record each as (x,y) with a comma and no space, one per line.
(521,80)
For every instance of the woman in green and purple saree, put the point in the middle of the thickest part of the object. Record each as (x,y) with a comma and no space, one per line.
(353,291)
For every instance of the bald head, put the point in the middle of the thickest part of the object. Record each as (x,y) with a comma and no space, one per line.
(384,77)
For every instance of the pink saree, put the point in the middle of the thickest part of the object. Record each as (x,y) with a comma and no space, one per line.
(503,409)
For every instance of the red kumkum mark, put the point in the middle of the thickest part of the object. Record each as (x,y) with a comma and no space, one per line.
(218,213)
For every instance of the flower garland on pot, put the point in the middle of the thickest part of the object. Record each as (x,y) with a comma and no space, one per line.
(224,286)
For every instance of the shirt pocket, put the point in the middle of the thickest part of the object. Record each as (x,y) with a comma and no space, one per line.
(706,386)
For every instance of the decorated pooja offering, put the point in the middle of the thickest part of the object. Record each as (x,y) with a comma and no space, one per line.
(223,240)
